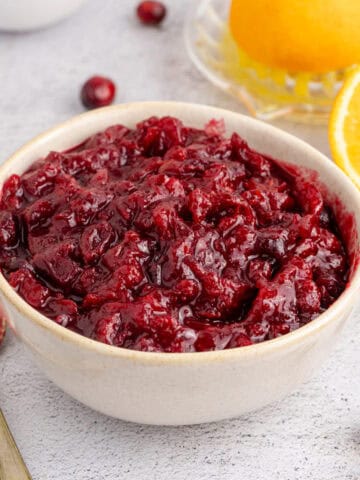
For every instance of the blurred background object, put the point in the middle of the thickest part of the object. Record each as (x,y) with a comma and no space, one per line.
(25,15)
(280,57)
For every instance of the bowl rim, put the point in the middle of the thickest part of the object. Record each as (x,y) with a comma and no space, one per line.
(156,358)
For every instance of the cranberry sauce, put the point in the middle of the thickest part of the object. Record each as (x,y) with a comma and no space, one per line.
(170,239)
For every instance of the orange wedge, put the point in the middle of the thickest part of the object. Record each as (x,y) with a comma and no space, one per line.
(344,127)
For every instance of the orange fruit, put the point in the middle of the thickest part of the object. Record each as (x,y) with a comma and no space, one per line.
(298,35)
(344,127)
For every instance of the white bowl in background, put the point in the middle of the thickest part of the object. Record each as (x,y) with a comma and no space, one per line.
(25,15)
(182,388)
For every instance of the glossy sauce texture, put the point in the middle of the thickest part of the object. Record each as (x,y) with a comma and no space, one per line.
(168,238)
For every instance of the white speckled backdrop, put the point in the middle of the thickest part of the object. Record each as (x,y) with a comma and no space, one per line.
(313,434)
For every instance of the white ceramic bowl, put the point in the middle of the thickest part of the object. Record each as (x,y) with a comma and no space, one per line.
(182,388)
(24,15)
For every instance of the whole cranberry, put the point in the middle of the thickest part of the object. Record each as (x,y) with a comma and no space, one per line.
(98,92)
(151,12)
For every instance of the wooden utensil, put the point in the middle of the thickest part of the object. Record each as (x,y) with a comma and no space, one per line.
(12,466)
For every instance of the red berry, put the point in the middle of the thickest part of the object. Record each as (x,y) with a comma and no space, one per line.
(98,92)
(151,12)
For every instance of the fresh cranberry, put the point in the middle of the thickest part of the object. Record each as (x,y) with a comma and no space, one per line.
(151,12)
(166,238)
(98,92)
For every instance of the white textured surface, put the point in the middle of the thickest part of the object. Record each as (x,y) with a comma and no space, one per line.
(312,434)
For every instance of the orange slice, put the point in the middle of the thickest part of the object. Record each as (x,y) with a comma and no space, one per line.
(344,127)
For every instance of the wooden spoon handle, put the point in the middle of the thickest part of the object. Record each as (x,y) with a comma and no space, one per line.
(12,466)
